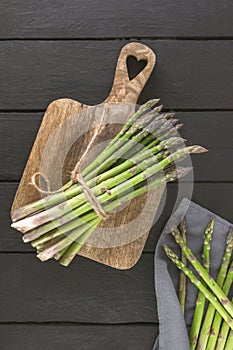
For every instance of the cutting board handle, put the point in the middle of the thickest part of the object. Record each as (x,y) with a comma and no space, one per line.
(124,89)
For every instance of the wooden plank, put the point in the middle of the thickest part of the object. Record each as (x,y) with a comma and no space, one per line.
(17,135)
(86,292)
(72,337)
(104,19)
(211,129)
(10,239)
(215,196)
(189,74)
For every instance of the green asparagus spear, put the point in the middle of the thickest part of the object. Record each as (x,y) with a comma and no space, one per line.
(65,223)
(225,338)
(170,176)
(111,148)
(182,282)
(229,342)
(217,318)
(151,155)
(75,231)
(200,302)
(209,317)
(208,295)
(210,282)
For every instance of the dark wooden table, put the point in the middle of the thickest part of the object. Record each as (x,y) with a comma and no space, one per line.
(53,49)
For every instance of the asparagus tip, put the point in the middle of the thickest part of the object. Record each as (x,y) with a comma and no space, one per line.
(208,233)
(173,121)
(169,115)
(229,241)
(182,227)
(178,126)
(169,252)
(197,149)
(210,226)
(183,223)
(149,104)
(175,232)
(158,109)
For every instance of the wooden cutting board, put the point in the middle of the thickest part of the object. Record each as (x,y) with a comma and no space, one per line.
(123,90)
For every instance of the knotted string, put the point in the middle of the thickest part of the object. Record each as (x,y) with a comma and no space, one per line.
(76,176)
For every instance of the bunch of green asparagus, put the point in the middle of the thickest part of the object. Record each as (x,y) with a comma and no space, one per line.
(142,155)
(213,329)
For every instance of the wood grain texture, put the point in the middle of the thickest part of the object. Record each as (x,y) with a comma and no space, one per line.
(128,249)
(217,197)
(210,129)
(115,19)
(86,292)
(188,74)
(73,337)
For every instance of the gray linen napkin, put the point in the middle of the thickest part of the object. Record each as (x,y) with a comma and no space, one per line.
(173,333)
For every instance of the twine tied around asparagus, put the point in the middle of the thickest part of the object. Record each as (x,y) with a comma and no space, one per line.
(76,177)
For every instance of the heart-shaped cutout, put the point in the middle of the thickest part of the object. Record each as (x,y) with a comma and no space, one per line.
(134,66)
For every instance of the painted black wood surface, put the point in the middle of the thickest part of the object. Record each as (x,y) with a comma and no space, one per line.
(76,336)
(190,74)
(104,19)
(54,49)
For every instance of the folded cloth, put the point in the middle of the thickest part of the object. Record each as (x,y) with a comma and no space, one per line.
(173,334)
